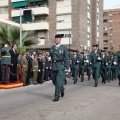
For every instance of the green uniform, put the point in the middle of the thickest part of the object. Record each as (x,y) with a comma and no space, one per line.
(103,68)
(108,66)
(75,67)
(118,69)
(82,67)
(5,62)
(88,66)
(35,70)
(60,61)
(94,58)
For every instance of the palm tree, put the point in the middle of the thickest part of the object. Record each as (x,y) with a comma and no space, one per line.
(11,35)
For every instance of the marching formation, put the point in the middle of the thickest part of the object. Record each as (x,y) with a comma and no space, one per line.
(56,65)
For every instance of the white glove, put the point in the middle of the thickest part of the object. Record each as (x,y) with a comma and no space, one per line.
(46,67)
(43,69)
(106,63)
(39,70)
(33,70)
(99,58)
(90,63)
(87,61)
(77,61)
(114,63)
(50,67)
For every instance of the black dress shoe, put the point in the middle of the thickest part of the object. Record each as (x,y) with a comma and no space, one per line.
(95,85)
(55,99)
(62,94)
(74,82)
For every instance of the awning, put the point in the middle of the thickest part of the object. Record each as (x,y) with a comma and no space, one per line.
(19,4)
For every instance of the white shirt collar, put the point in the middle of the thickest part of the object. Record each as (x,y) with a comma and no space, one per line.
(58,45)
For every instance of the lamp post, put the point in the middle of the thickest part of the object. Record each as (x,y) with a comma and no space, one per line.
(9,10)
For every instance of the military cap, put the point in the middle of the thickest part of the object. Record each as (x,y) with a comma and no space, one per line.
(59,35)
(102,50)
(82,53)
(95,45)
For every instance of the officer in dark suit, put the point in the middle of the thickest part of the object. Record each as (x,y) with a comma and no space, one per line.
(82,65)
(14,60)
(95,58)
(60,61)
(40,69)
(29,72)
(48,65)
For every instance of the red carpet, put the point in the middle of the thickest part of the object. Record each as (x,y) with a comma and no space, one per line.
(11,85)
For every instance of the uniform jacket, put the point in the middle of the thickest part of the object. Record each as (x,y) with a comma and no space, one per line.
(75,61)
(103,61)
(24,64)
(94,58)
(61,53)
(35,64)
(40,64)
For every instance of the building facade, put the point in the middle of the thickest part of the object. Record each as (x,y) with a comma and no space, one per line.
(111,29)
(80,22)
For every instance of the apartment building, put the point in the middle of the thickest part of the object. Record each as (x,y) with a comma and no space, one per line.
(111,29)
(80,22)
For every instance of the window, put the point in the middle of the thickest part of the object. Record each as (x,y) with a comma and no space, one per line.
(105,41)
(64,18)
(105,21)
(105,14)
(105,28)
(111,28)
(105,34)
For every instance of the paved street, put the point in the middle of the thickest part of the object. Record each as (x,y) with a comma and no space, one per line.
(81,102)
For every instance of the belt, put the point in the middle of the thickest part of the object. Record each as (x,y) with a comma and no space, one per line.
(76,63)
(6,56)
(57,61)
(35,66)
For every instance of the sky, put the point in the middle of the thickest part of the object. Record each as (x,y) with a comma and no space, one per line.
(111,4)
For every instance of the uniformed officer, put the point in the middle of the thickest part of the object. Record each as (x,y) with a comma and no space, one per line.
(29,71)
(44,65)
(48,65)
(75,66)
(103,66)
(82,65)
(118,69)
(5,63)
(35,69)
(95,58)
(88,65)
(40,69)
(60,61)
(114,67)
(24,64)
(108,66)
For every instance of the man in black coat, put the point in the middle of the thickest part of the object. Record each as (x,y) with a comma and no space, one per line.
(14,60)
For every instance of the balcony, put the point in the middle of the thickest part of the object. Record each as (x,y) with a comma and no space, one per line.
(63,10)
(64,25)
(36,26)
(4,3)
(4,16)
(35,11)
